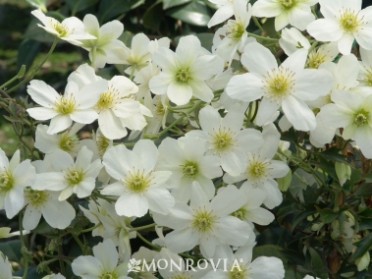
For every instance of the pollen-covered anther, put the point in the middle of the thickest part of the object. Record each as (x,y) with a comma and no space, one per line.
(6,181)
(279,83)
(350,21)
(315,59)
(68,142)
(36,198)
(203,221)
(138,181)
(361,118)
(65,105)
(222,140)
(74,176)
(183,74)
(288,4)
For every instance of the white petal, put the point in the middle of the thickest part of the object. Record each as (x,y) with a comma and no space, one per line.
(14,202)
(267,268)
(324,30)
(85,266)
(345,44)
(260,216)
(221,15)
(53,181)
(41,113)
(364,37)
(114,189)
(258,59)
(179,94)
(116,162)
(160,200)
(159,83)
(59,124)
(229,231)
(181,240)
(246,87)
(31,218)
(296,61)
(266,111)
(110,125)
(58,214)
(312,84)
(266,8)
(42,93)
(363,138)
(131,205)
(106,253)
(202,91)
(299,114)
(84,116)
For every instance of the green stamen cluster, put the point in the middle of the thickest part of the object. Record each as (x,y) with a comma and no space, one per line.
(183,75)
(190,169)
(65,106)
(203,221)
(138,182)
(6,181)
(361,118)
(74,177)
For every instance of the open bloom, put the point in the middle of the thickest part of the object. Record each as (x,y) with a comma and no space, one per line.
(103,264)
(343,22)
(184,73)
(75,105)
(70,29)
(138,186)
(104,43)
(204,223)
(288,86)
(70,176)
(14,177)
(294,12)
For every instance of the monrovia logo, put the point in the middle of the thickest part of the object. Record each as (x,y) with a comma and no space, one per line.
(143,265)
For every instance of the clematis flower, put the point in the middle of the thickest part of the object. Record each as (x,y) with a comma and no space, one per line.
(75,105)
(104,43)
(139,186)
(295,12)
(288,86)
(70,29)
(103,264)
(5,267)
(69,175)
(14,177)
(344,21)
(184,73)
(204,223)
(225,10)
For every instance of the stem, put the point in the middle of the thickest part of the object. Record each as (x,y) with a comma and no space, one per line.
(157,248)
(149,226)
(258,24)
(263,38)
(32,72)
(19,75)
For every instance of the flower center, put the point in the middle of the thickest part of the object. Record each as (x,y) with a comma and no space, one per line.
(241,213)
(65,106)
(316,59)
(257,170)
(105,101)
(183,75)
(109,275)
(203,221)
(222,140)
(74,177)
(138,182)
(288,4)
(67,142)
(349,21)
(190,169)
(361,118)
(279,83)
(61,29)
(36,198)
(6,181)
(237,30)
(238,272)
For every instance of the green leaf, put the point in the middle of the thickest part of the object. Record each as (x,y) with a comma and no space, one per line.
(363,246)
(268,250)
(151,18)
(11,249)
(110,9)
(79,5)
(318,263)
(173,3)
(364,190)
(27,53)
(285,182)
(328,215)
(195,13)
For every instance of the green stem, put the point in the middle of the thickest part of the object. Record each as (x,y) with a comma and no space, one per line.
(157,248)
(32,72)
(149,226)
(24,246)
(18,76)
(258,24)
(263,38)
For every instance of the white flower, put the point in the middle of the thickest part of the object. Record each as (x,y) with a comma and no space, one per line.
(233,36)
(187,161)
(353,113)
(71,176)
(260,170)
(75,105)
(288,86)
(343,22)
(204,223)
(70,29)
(292,40)
(224,137)
(54,276)
(105,43)
(295,12)
(185,71)
(251,209)
(139,187)
(58,214)
(14,177)
(240,265)
(323,54)
(66,141)
(365,75)
(104,263)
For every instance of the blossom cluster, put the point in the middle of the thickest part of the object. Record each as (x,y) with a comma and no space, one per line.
(190,137)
